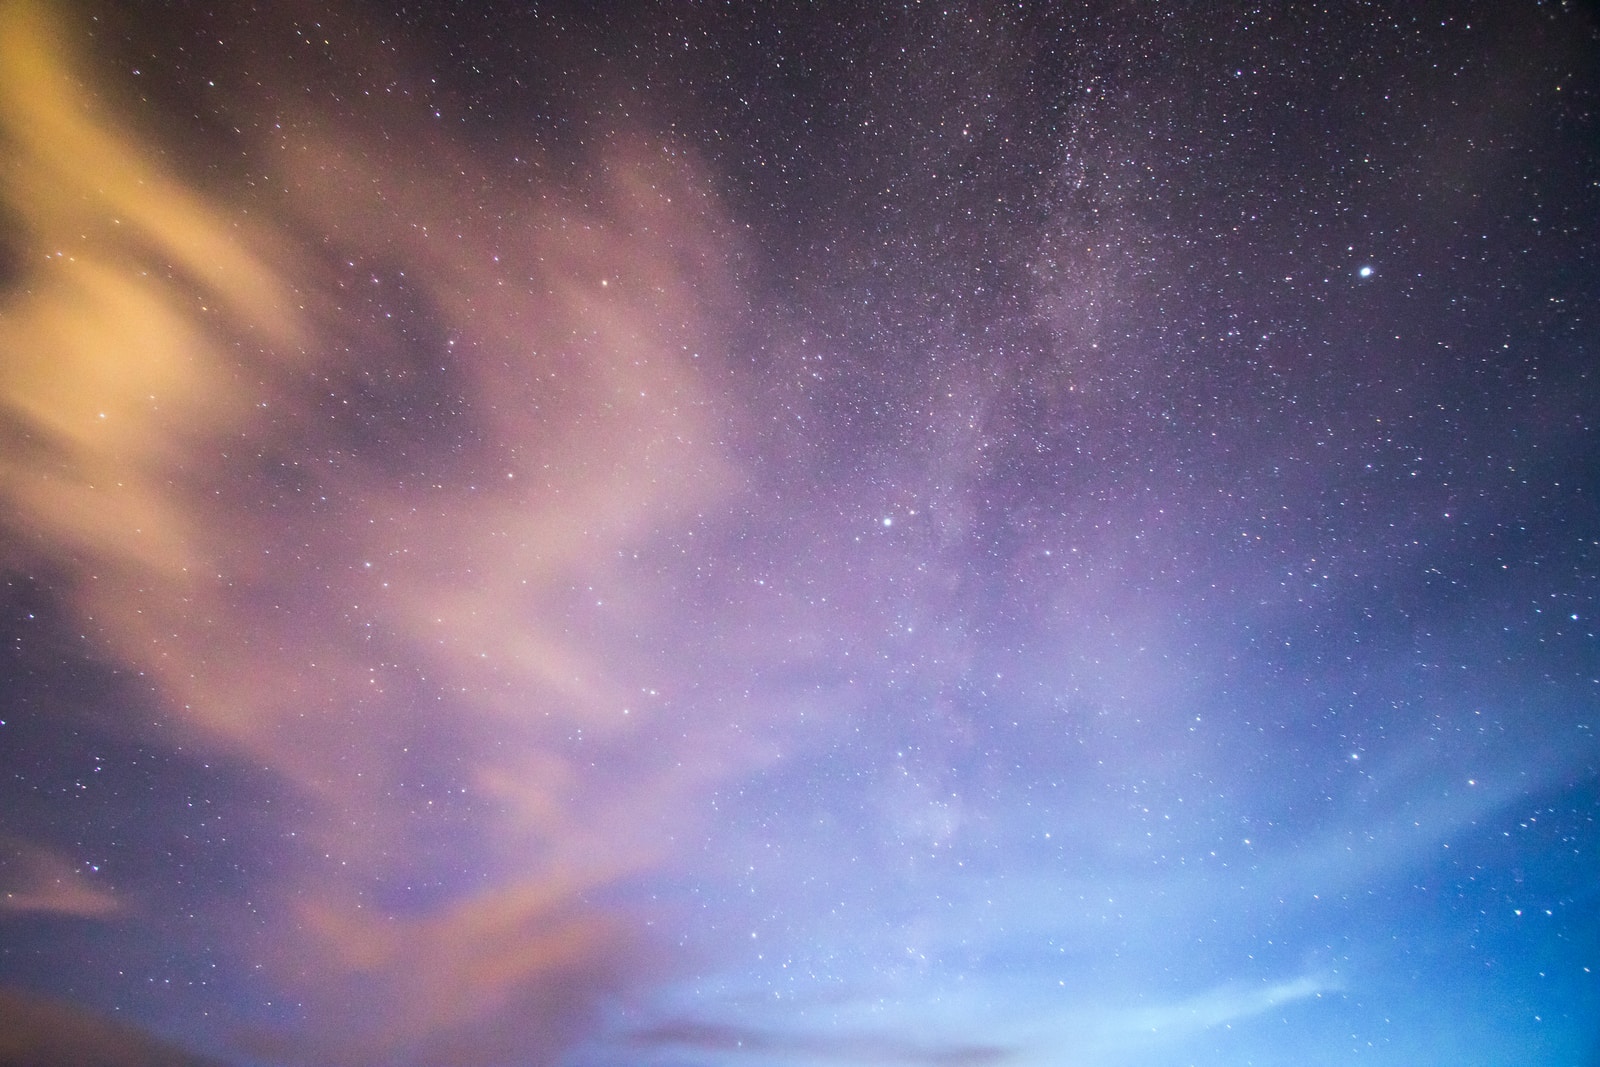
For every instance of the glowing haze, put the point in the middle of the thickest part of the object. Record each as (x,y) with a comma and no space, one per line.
(484,594)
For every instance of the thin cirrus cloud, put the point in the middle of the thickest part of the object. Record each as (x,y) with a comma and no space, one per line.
(1096,1029)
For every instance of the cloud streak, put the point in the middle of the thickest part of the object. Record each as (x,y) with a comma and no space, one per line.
(35,880)
(812,1048)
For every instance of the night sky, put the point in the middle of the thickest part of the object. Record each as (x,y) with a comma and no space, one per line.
(701,535)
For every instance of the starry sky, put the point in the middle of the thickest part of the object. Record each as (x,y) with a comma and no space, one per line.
(706,535)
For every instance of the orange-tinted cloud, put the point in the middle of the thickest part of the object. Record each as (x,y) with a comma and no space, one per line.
(359,484)
(513,973)
(34,1030)
(39,881)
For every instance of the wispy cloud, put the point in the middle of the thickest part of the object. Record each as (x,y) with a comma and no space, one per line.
(361,484)
(39,880)
(768,1046)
